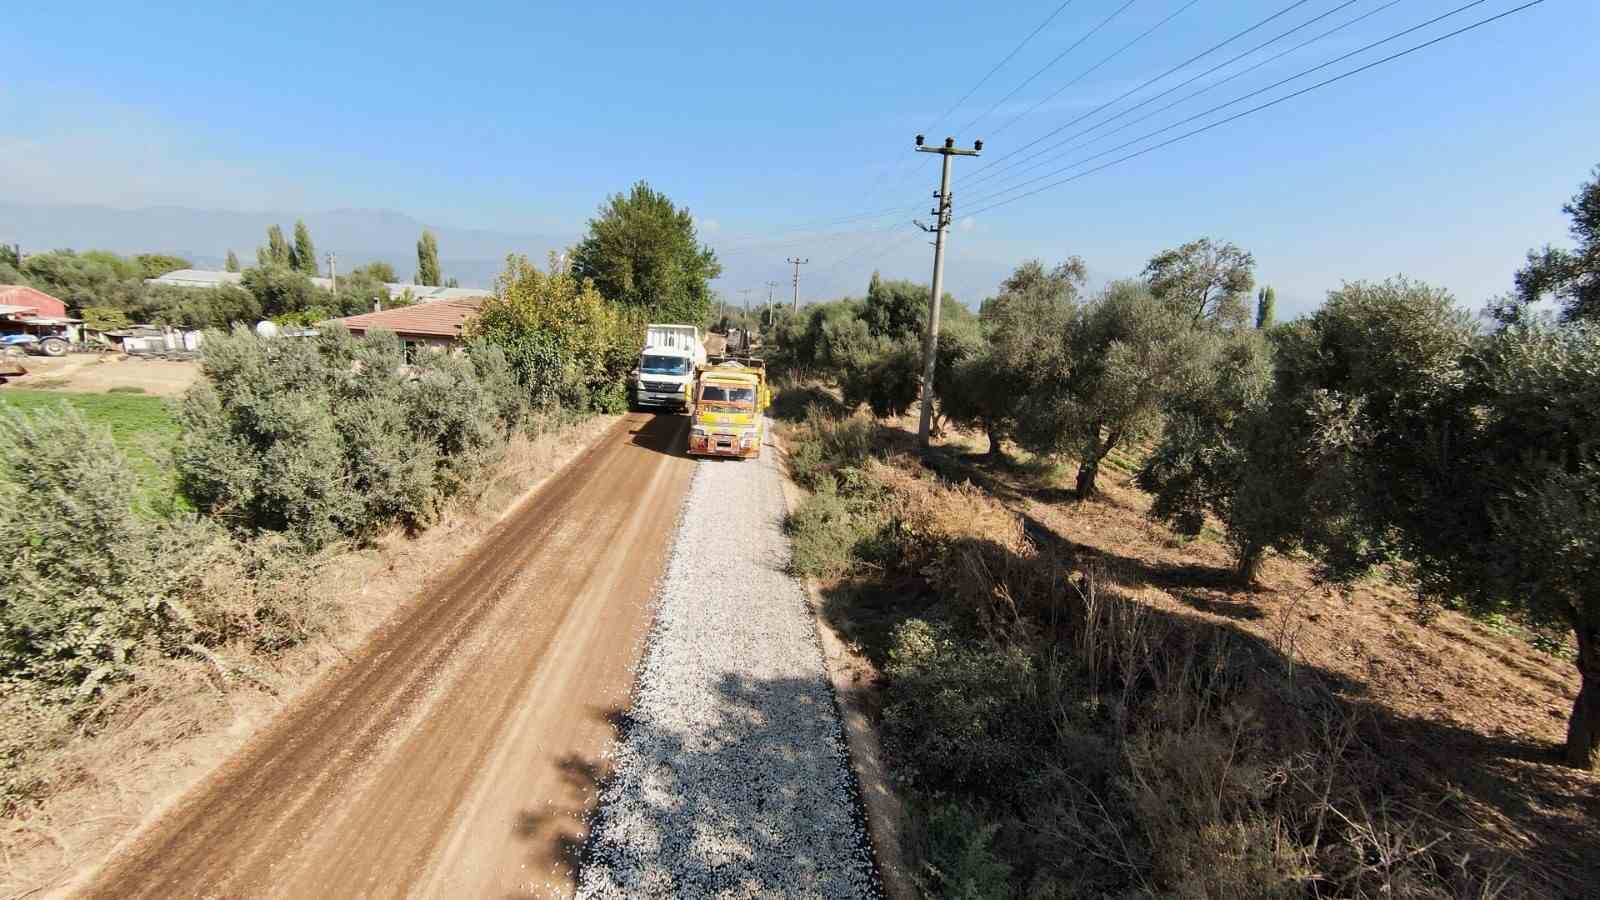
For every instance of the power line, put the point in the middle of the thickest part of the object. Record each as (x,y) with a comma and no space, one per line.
(900,176)
(1240,99)
(997,66)
(1086,72)
(1255,109)
(1212,49)
(1058,57)
(1048,151)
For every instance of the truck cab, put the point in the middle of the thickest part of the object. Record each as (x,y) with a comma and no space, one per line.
(729,399)
(664,377)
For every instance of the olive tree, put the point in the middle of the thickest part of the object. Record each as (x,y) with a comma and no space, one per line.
(1572,277)
(1106,377)
(1214,444)
(1020,344)
(1205,280)
(1510,520)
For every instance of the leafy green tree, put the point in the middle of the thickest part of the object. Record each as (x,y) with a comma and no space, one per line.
(1021,345)
(1572,277)
(1216,453)
(359,292)
(1332,459)
(123,267)
(569,347)
(186,307)
(10,256)
(1266,308)
(280,289)
(278,252)
(642,252)
(380,271)
(1205,280)
(104,318)
(231,264)
(92,278)
(1505,482)
(155,265)
(1122,355)
(898,310)
(428,260)
(303,256)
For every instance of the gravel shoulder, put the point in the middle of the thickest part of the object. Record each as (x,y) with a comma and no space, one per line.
(734,778)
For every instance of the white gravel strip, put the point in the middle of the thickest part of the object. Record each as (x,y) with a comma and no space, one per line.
(733,779)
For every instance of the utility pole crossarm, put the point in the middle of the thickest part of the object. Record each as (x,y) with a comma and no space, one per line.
(797,262)
(941,228)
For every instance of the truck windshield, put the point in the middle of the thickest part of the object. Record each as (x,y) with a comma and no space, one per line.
(663,365)
(716,393)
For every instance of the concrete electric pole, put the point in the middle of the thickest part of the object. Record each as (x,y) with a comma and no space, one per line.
(771,286)
(745,330)
(941,227)
(333,275)
(797,262)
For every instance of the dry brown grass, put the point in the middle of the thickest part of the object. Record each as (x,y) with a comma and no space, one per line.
(99,776)
(1455,724)
(1282,740)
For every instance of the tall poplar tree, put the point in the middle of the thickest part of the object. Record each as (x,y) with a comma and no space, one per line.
(305,253)
(428,260)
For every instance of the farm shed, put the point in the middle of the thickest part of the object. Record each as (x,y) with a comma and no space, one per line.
(23,299)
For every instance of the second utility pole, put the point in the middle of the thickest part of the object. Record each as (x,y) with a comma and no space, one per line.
(930,345)
(798,262)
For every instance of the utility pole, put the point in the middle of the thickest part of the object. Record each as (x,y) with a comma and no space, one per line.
(797,262)
(746,329)
(940,229)
(771,286)
(333,275)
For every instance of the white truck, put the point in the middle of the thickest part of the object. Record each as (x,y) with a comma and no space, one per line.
(665,373)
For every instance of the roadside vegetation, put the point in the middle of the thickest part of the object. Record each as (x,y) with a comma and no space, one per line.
(159,556)
(142,428)
(1069,718)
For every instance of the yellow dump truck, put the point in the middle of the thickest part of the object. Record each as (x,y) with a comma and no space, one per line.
(729,398)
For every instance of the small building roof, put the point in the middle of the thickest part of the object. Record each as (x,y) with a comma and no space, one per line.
(28,299)
(440,318)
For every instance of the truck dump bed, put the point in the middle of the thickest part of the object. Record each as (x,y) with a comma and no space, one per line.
(683,338)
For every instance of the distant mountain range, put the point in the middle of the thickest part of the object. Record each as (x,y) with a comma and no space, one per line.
(356,236)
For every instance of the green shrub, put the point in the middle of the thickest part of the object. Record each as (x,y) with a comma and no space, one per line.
(958,713)
(84,579)
(336,436)
(823,530)
(568,347)
(960,858)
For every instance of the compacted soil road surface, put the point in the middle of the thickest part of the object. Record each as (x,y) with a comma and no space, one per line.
(456,753)
(733,779)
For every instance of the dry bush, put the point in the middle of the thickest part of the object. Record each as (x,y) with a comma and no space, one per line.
(1118,749)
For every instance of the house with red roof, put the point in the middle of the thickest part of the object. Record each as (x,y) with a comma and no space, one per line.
(438,324)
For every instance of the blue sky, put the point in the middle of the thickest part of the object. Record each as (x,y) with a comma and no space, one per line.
(1446,165)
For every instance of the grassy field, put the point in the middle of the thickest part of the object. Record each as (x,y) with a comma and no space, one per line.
(142,426)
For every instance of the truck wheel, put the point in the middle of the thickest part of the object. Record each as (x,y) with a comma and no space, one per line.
(53,347)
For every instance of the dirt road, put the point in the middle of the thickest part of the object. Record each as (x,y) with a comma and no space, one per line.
(453,754)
